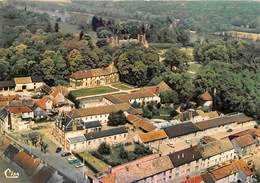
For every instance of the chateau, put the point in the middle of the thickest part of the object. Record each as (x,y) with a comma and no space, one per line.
(94,77)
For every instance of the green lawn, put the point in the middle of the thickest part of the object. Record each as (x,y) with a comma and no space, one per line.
(92,91)
(122,86)
(94,163)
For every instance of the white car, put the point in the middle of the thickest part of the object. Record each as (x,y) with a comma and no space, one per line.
(78,165)
(72,158)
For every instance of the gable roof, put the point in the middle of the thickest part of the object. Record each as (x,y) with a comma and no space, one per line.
(242,165)
(44,174)
(152,136)
(19,109)
(42,102)
(244,141)
(23,80)
(216,122)
(77,139)
(11,151)
(133,95)
(206,96)
(77,113)
(195,179)
(8,97)
(215,147)
(140,122)
(223,172)
(26,161)
(105,133)
(4,84)
(156,89)
(181,129)
(111,69)
(60,89)
(92,124)
(185,156)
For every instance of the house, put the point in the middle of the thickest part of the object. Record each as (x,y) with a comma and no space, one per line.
(7,85)
(181,132)
(26,162)
(148,169)
(206,101)
(27,83)
(42,108)
(186,162)
(100,113)
(60,102)
(140,122)
(223,123)
(94,77)
(47,174)
(20,117)
(11,151)
(110,136)
(157,89)
(152,138)
(216,152)
(244,145)
(237,171)
(139,97)
(194,179)
(76,144)
(5,100)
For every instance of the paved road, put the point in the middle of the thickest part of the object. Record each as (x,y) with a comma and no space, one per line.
(56,161)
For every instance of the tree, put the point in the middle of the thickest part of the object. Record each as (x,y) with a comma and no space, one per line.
(104,148)
(123,153)
(95,23)
(117,118)
(56,27)
(74,60)
(81,34)
(169,97)
(176,59)
(4,70)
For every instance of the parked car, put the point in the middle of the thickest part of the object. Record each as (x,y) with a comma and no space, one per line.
(72,162)
(78,165)
(58,150)
(71,158)
(229,130)
(64,154)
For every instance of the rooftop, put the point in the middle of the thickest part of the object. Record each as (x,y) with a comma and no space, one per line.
(181,129)
(134,95)
(8,97)
(4,84)
(140,122)
(92,124)
(105,133)
(77,113)
(195,179)
(244,141)
(185,156)
(74,140)
(44,174)
(111,69)
(152,136)
(156,89)
(23,80)
(223,172)
(216,122)
(19,109)
(11,151)
(140,171)
(215,147)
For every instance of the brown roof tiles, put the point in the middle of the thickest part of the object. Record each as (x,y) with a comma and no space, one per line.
(152,136)
(23,80)
(140,122)
(19,109)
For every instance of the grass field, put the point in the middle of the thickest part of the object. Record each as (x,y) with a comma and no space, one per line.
(92,91)
(122,86)
(94,163)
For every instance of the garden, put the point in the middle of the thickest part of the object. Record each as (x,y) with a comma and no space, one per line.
(120,153)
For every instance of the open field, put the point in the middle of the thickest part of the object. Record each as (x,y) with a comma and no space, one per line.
(92,91)
(122,86)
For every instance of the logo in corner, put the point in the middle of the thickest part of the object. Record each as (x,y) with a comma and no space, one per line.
(10,174)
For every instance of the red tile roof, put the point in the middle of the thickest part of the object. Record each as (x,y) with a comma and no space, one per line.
(111,69)
(245,140)
(42,102)
(195,179)
(8,98)
(19,109)
(26,162)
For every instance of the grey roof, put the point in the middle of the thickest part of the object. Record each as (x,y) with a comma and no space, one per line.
(37,79)
(3,113)
(78,139)
(216,122)
(44,174)
(92,124)
(185,156)
(4,84)
(181,129)
(113,99)
(105,133)
(11,151)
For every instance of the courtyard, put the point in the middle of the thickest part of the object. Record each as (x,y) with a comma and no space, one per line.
(92,91)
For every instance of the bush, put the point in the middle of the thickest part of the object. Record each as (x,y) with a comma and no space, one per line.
(117,118)
(123,153)
(104,148)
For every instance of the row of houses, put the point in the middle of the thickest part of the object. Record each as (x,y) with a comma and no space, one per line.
(214,161)
(33,167)
(22,84)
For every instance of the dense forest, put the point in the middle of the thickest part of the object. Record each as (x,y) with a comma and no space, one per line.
(33,45)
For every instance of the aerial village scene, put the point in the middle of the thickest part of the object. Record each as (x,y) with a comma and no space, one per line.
(129,91)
